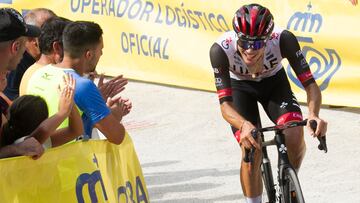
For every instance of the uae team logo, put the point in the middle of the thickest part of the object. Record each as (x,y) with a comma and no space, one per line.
(323,63)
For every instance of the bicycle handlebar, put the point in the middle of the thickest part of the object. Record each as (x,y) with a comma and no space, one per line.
(249,153)
(322,139)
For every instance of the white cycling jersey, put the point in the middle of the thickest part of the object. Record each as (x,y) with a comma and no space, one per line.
(238,69)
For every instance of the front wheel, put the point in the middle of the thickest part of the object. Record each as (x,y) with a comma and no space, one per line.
(291,189)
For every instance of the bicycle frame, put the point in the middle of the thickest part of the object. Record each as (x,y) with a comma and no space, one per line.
(283,160)
(283,163)
(266,171)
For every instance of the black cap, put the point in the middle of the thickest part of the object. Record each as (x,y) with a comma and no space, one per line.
(12,25)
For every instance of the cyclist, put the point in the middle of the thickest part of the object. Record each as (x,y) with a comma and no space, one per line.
(247,68)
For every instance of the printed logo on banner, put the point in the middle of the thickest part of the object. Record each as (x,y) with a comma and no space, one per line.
(179,16)
(323,65)
(154,12)
(5,1)
(123,192)
(90,180)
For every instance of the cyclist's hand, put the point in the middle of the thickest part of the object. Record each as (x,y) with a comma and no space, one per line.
(321,127)
(246,139)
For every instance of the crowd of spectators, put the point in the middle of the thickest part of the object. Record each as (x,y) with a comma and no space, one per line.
(48,96)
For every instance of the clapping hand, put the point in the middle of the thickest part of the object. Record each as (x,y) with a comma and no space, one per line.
(67,92)
(111,87)
(119,106)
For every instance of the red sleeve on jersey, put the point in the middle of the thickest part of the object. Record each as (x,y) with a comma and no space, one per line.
(224,93)
(290,49)
(304,77)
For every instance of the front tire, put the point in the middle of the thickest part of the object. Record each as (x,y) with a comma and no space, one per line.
(290,178)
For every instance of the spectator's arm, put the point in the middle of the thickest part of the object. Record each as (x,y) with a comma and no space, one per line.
(74,130)
(89,100)
(113,130)
(29,147)
(47,127)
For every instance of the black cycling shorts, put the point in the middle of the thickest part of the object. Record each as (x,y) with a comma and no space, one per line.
(273,93)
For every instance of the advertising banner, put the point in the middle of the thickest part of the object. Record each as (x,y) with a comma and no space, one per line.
(168,42)
(88,171)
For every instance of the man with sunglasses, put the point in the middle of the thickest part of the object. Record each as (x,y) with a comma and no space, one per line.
(247,68)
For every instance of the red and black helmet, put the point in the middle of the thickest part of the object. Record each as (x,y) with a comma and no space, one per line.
(253,22)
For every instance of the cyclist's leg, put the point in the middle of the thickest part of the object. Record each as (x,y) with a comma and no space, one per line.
(246,105)
(282,107)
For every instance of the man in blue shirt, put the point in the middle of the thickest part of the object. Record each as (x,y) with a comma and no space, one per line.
(82,44)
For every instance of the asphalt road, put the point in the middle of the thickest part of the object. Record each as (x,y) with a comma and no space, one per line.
(188,153)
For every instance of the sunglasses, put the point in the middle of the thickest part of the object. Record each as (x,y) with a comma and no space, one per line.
(255,45)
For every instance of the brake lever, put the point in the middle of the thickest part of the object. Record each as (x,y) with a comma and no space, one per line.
(322,146)
(249,153)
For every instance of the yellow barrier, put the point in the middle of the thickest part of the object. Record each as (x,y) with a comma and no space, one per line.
(92,171)
(168,41)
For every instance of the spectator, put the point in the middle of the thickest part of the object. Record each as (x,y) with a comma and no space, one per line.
(82,44)
(13,33)
(4,105)
(20,127)
(50,47)
(52,53)
(35,17)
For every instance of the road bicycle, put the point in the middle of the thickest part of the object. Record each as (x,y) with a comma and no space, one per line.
(288,188)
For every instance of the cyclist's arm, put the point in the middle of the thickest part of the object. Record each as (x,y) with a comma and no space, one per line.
(290,49)
(220,64)
(313,99)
